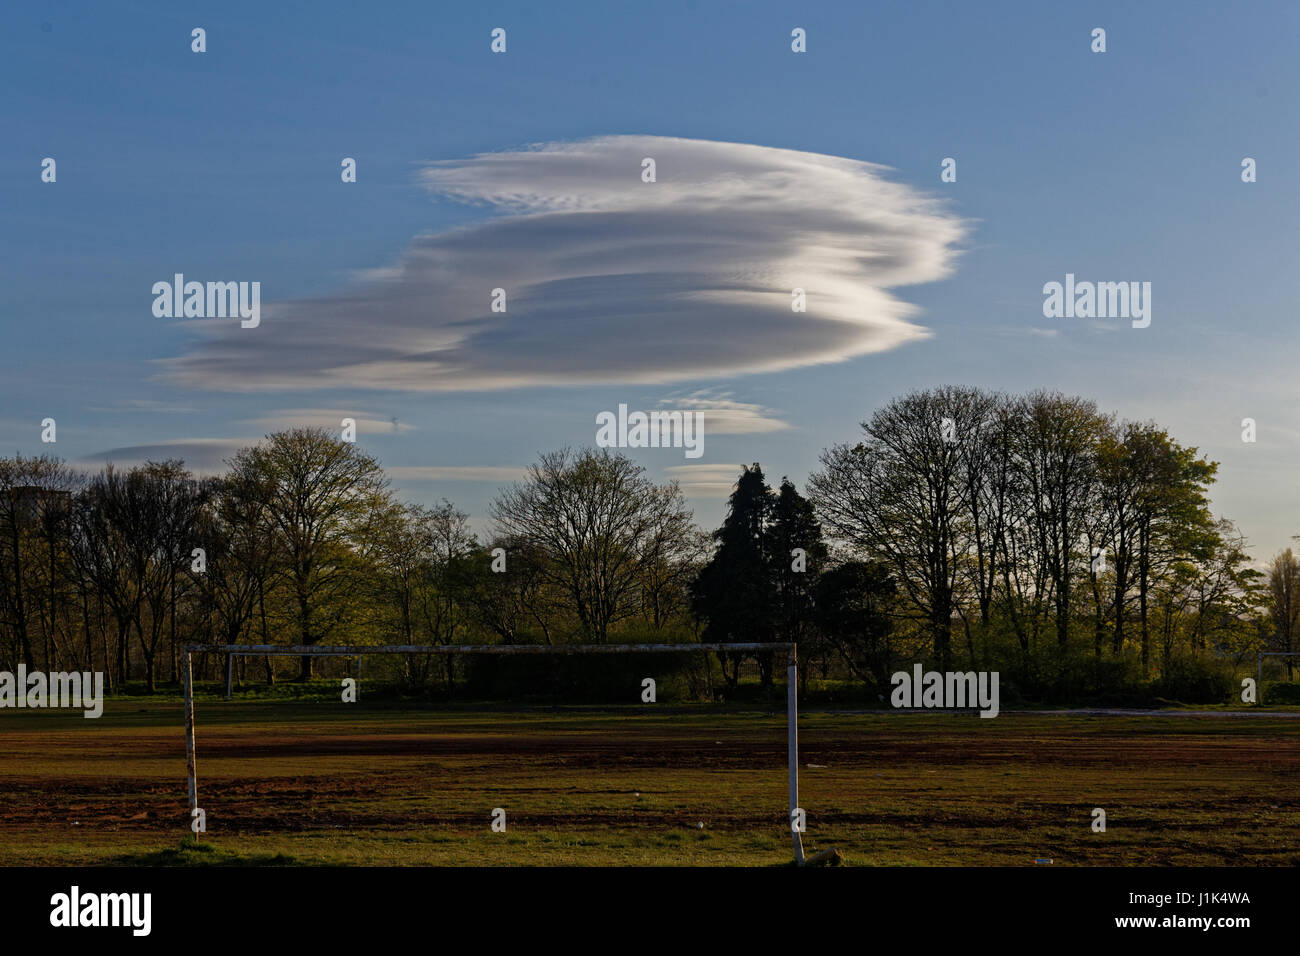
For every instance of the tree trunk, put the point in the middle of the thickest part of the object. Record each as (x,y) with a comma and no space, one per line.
(970,642)
(1142,616)
(943,636)
(172,630)
(261,608)
(1121,575)
(731,680)
(85,623)
(123,635)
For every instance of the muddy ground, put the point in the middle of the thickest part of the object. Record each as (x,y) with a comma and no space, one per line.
(322,783)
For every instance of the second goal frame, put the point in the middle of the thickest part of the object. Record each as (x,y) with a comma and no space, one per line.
(1259,683)
(792,685)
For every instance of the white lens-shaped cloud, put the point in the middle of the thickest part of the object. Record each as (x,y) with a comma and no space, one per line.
(609,279)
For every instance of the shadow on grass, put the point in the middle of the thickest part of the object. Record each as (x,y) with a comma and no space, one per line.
(190,853)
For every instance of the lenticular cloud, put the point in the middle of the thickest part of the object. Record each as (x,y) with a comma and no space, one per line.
(609,279)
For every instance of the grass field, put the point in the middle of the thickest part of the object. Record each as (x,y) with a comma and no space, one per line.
(287,782)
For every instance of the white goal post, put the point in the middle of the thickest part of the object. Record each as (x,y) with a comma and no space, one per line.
(792,685)
(1259,683)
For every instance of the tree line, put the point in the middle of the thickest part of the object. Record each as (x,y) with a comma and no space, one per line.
(1033,534)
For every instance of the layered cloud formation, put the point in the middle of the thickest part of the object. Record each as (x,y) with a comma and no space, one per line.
(610,279)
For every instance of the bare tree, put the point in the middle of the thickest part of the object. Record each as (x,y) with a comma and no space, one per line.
(163,519)
(1056,458)
(111,535)
(600,523)
(1119,484)
(1284,603)
(666,579)
(34,495)
(233,531)
(520,595)
(441,600)
(902,496)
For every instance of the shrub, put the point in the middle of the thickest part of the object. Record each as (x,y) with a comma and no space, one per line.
(1280,692)
(1195,681)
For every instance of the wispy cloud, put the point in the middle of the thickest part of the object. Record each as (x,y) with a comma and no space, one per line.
(612,280)
(143,405)
(725,416)
(705,481)
(327,418)
(204,456)
(456,473)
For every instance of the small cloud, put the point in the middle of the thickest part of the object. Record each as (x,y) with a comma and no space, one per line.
(142,405)
(706,481)
(456,473)
(203,456)
(327,418)
(723,416)
(1019,331)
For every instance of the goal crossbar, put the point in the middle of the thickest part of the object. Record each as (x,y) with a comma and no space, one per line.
(316,650)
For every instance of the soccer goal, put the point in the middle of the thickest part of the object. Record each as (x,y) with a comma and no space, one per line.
(796,813)
(1259,682)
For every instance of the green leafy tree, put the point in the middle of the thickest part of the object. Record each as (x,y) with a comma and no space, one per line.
(326,500)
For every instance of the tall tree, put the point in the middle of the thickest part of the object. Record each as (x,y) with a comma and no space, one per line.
(161,519)
(28,487)
(518,597)
(113,532)
(600,523)
(987,468)
(1119,484)
(325,499)
(233,531)
(1057,460)
(901,496)
(798,553)
(1172,514)
(442,600)
(1284,603)
(666,583)
(734,594)
(854,611)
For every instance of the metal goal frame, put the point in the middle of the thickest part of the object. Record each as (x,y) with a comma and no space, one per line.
(1259,682)
(259,650)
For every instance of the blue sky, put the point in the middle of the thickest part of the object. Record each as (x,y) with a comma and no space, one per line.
(225,166)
